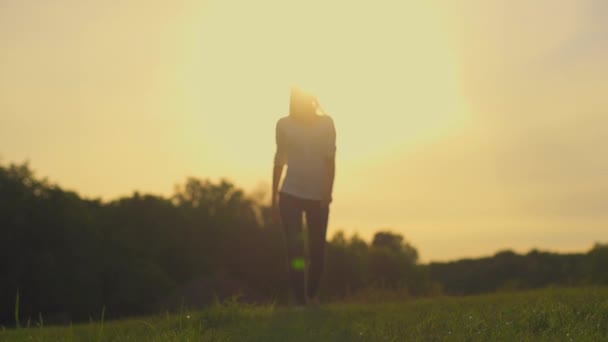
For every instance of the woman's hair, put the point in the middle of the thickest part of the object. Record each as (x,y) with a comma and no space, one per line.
(302,104)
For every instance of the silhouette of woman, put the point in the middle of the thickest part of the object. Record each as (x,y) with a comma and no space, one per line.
(306,143)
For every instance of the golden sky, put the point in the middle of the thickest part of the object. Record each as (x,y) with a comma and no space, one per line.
(467,125)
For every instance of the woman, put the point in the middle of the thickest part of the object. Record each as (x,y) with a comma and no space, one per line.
(306,143)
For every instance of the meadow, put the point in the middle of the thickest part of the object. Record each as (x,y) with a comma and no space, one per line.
(571,314)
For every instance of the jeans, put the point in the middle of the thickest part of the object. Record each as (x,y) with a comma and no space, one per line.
(304,277)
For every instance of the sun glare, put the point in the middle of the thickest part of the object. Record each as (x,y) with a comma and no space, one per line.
(386,74)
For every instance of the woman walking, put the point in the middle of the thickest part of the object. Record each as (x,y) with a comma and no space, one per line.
(306,144)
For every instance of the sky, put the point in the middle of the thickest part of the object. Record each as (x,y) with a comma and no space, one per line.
(468,126)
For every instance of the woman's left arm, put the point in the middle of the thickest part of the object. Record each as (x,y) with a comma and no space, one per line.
(330,164)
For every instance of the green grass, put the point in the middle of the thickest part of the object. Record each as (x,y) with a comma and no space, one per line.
(550,315)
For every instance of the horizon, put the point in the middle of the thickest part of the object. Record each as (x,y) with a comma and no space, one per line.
(348,233)
(467,127)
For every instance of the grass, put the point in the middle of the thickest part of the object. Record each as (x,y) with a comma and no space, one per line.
(549,315)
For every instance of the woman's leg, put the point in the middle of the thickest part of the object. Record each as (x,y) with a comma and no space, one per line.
(317,219)
(291,218)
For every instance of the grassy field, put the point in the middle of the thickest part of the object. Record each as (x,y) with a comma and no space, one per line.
(550,315)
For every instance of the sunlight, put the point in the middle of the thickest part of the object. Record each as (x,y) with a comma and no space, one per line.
(386,74)
(451,116)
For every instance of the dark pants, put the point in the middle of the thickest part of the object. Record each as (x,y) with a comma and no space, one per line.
(316,217)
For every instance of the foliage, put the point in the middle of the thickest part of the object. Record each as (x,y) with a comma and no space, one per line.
(507,270)
(65,258)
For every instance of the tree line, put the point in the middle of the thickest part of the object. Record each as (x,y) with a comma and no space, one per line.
(68,258)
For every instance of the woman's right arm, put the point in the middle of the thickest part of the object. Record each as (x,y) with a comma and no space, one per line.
(280,159)
(276,179)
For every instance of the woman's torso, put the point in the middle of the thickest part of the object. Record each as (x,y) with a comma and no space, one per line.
(306,149)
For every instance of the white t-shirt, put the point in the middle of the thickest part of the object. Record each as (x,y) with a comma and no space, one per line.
(305,149)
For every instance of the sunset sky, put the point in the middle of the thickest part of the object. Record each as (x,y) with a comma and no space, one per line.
(469,126)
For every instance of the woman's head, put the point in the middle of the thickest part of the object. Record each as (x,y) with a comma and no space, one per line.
(302,105)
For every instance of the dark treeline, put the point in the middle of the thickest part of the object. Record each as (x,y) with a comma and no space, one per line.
(65,258)
(507,270)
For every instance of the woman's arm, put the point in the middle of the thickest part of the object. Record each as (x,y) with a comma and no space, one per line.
(280,159)
(276,179)
(330,164)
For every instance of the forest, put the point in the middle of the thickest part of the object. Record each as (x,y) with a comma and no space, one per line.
(68,258)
